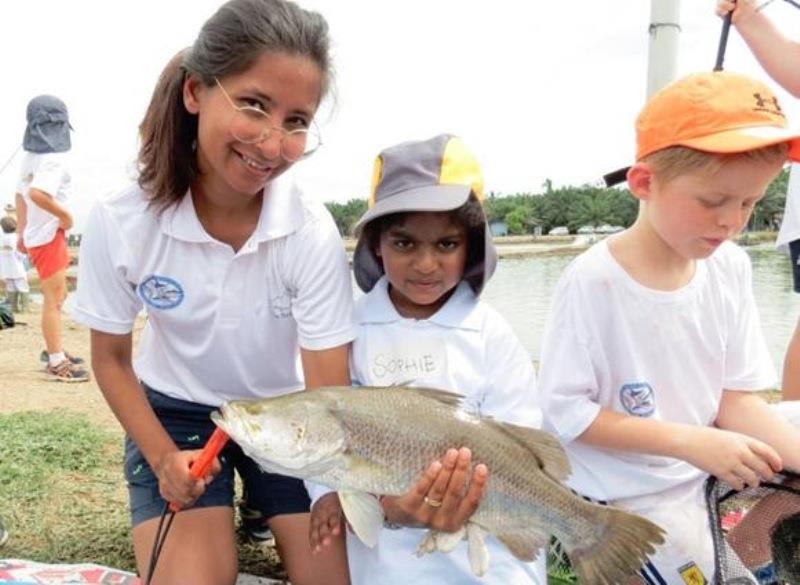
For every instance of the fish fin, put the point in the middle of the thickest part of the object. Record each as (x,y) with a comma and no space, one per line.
(544,446)
(364,514)
(435,540)
(524,545)
(615,549)
(478,552)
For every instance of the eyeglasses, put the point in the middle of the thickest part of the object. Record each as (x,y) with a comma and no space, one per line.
(251,125)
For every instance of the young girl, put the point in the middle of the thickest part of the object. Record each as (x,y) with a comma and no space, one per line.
(244,278)
(12,270)
(423,256)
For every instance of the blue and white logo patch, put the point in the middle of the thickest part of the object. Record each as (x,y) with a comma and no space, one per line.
(161,292)
(638,399)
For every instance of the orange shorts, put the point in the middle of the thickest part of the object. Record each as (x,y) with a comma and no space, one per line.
(51,257)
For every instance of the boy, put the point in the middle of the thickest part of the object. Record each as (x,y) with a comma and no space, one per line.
(423,256)
(12,269)
(780,57)
(44,187)
(653,346)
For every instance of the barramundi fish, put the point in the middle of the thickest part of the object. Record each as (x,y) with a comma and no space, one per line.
(365,441)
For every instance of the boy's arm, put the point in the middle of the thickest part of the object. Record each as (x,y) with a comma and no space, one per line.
(746,413)
(22,220)
(49,204)
(735,458)
(778,55)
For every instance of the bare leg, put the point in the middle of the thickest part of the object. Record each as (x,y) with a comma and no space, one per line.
(54,291)
(791,367)
(328,567)
(200,548)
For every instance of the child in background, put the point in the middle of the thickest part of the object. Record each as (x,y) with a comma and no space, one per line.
(12,269)
(43,191)
(423,257)
(780,57)
(654,350)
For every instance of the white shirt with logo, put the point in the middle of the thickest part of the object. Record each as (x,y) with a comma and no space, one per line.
(611,342)
(790,225)
(465,347)
(221,325)
(46,172)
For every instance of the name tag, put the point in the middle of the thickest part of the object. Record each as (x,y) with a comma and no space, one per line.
(397,363)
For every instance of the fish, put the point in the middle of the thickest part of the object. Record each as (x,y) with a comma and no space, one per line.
(785,545)
(364,441)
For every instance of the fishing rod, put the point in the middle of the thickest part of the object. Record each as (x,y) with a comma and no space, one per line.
(198,470)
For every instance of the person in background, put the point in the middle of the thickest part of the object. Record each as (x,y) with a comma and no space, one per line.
(12,269)
(780,57)
(41,199)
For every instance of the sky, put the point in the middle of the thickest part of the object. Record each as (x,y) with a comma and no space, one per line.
(538,90)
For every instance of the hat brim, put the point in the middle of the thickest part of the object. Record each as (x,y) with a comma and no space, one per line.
(728,142)
(428,198)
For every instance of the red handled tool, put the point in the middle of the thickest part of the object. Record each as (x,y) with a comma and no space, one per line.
(199,469)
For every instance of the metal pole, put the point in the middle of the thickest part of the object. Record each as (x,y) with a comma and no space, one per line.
(663,53)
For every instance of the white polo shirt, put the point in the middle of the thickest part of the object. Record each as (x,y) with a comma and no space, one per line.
(221,325)
(611,342)
(790,225)
(46,172)
(465,347)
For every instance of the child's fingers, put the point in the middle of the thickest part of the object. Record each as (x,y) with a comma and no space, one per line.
(767,454)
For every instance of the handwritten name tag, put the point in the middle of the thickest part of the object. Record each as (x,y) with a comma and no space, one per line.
(395,363)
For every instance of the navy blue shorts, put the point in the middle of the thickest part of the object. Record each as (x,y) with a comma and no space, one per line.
(794,250)
(188,423)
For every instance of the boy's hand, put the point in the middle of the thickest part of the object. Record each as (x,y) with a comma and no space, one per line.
(742,9)
(441,499)
(327,521)
(737,459)
(65,222)
(175,484)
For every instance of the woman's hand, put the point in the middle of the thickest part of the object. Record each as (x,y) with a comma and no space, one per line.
(175,483)
(742,9)
(327,521)
(441,499)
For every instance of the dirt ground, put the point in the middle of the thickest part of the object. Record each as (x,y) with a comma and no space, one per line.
(25,386)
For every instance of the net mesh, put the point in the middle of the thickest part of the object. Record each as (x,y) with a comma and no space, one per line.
(756,531)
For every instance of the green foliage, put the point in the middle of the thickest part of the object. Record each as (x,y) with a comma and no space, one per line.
(769,210)
(347,214)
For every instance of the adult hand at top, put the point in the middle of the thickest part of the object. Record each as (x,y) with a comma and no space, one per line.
(742,9)
(441,499)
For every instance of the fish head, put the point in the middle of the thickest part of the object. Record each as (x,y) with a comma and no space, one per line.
(292,434)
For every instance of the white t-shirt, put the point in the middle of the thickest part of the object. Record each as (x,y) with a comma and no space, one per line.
(11,265)
(221,325)
(611,342)
(465,347)
(790,226)
(48,173)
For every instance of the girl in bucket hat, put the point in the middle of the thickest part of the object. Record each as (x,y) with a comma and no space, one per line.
(42,194)
(423,256)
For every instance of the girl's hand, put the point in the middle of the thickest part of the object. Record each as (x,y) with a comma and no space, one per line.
(21,246)
(441,499)
(175,484)
(737,459)
(742,9)
(327,521)
(65,222)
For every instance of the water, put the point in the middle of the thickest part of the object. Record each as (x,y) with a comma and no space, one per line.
(521,289)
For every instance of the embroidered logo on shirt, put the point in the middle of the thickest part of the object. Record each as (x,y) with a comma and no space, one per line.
(638,399)
(692,575)
(161,292)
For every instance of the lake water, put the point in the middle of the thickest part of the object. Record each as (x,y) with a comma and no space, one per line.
(521,287)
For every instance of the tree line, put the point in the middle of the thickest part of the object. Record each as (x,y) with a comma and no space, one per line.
(573,207)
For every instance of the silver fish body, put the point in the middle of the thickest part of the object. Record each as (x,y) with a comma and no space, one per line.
(379,440)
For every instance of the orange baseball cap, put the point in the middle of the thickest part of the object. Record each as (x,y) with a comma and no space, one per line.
(717,112)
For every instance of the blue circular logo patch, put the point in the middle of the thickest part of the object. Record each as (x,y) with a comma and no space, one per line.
(638,399)
(161,292)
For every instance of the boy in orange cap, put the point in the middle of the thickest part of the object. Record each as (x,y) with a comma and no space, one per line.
(779,56)
(654,349)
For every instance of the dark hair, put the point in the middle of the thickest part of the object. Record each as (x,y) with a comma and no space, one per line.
(470,216)
(8,224)
(229,43)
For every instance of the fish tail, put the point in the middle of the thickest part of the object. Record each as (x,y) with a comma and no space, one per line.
(616,548)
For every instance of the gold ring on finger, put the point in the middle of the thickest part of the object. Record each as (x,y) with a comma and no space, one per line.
(432,503)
